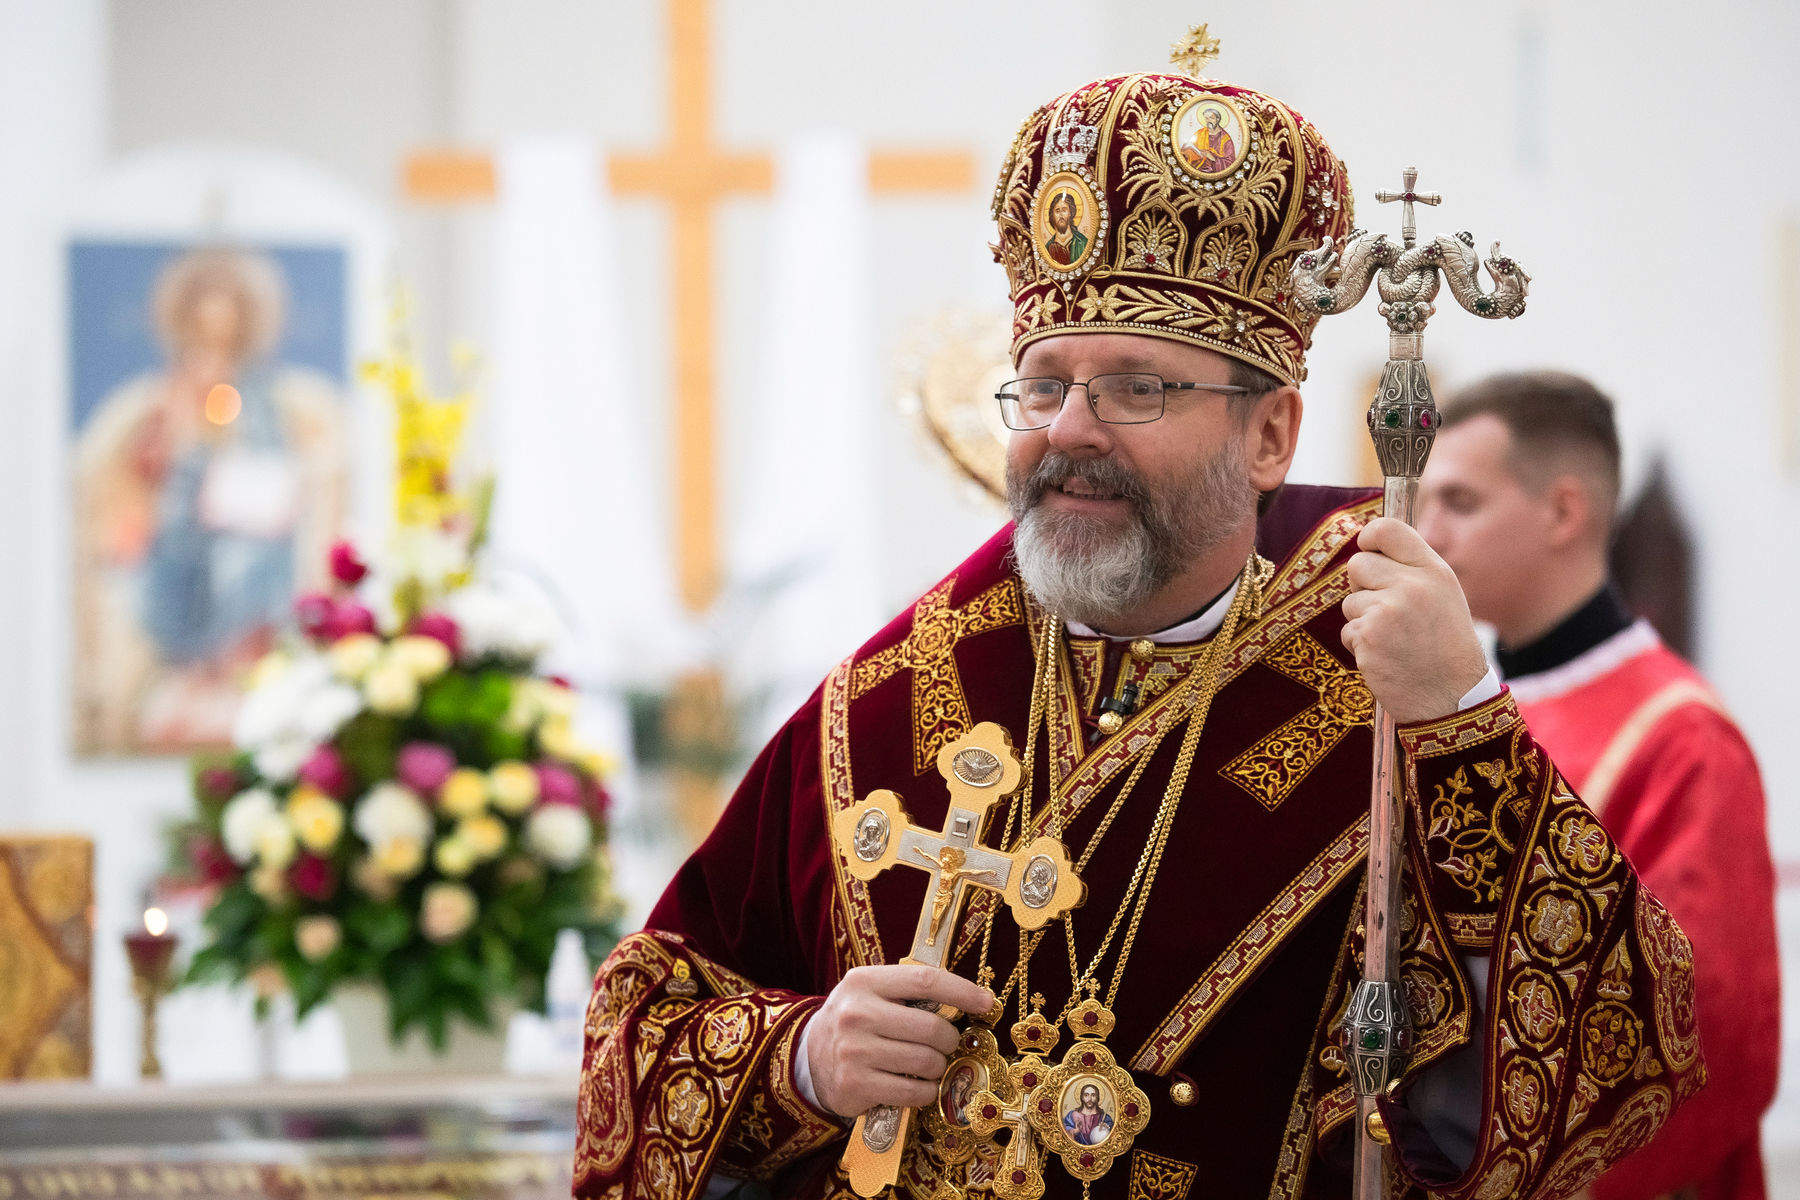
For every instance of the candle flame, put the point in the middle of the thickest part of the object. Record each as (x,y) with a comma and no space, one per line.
(156,922)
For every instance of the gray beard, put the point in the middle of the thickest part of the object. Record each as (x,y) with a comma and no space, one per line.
(1084,570)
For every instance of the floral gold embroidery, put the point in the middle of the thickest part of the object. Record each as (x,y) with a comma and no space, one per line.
(1272,768)
(1154,1177)
(940,711)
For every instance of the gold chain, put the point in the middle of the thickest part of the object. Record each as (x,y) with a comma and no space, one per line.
(1206,680)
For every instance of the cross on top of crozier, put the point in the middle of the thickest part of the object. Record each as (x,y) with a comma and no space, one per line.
(1408,197)
(1038,882)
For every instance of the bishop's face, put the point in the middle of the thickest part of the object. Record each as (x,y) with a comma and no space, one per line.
(1109,514)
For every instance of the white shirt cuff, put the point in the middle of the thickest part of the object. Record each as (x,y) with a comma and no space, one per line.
(1482,692)
(803,1069)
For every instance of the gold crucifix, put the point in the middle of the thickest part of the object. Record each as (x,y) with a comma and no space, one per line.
(1038,882)
(692,174)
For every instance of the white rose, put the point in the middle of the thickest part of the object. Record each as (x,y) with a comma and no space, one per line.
(391,812)
(280,760)
(324,710)
(513,622)
(353,655)
(243,820)
(392,689)
(559,834)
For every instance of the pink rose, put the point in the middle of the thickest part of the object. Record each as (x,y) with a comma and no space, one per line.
(598,800)
(437,625)
(316,613)
(351,617)
(326,771)
(423,766)
(346,567)
(216,785)
(313,877)
(558,785)
(211,862)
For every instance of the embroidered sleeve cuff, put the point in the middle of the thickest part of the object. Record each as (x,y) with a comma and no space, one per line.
(1461,730)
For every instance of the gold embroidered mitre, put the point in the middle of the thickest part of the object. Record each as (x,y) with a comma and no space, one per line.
(1168,206)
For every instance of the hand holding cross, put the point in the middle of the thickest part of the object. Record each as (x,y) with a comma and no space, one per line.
(1037,881)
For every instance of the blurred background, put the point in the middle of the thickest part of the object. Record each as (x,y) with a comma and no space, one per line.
(724,266)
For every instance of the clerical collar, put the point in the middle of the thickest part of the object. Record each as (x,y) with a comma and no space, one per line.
(1600,618)
(1202,624)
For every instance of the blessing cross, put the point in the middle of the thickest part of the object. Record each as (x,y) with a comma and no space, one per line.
(1408,198)
(1037,881)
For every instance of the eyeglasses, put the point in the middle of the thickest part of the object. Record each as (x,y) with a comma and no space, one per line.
(1126,398)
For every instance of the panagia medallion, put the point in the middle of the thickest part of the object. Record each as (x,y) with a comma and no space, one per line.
(1087,1110)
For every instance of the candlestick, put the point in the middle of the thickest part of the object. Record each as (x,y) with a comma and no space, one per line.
(151,950)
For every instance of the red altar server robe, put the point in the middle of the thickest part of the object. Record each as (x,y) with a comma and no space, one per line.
(1649,747)
(1247,950)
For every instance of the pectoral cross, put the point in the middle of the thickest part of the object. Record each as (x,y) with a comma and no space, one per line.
(1038,882)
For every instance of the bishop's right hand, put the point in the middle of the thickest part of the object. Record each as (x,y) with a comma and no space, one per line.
(868,1044)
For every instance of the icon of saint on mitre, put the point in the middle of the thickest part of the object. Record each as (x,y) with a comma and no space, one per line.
(1209,137)
(1068,221)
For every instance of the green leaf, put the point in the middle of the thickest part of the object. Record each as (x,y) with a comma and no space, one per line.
(368,743)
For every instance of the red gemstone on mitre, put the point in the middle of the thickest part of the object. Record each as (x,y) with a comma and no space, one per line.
(1131,1110)
(1045,1106)
(1029,1079)
(989,1112)
(1087,1160)
(1087,1060)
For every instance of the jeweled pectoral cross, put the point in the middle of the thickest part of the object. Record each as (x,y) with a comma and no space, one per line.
(1038,882)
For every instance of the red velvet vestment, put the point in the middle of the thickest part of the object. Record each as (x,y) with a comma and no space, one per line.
(1245,954)
(1646,743)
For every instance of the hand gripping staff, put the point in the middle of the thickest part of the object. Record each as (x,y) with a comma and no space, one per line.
(1403,421)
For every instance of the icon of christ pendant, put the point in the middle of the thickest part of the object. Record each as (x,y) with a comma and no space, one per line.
(1086,1110)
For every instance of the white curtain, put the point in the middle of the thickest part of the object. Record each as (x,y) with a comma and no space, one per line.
(803,547)
(577,503)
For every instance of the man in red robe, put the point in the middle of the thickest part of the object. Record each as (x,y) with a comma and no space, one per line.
(1187,655)
(1519,497)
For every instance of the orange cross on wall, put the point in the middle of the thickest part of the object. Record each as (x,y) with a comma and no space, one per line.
(692,175)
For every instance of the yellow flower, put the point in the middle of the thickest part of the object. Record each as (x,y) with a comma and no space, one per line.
(392,689)
(400,858)
(268,980)
(318,820)
(454,856)
(352,656)
(269,667)
(485,835)
(275,847)
(372,880)
(317,936)
(425,657)
(465,793)
(555,699)
(270,883)
(514,786)
(557,737)
(597,763)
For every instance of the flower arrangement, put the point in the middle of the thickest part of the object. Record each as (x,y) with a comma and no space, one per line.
(407,804)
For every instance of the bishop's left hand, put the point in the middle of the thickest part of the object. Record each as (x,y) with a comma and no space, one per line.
(1408,624)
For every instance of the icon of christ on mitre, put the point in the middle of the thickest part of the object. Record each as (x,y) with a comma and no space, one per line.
(1141,715)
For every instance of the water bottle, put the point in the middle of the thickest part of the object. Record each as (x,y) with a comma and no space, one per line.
(566,991)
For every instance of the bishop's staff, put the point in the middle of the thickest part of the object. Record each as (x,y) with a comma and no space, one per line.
(1403,421)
